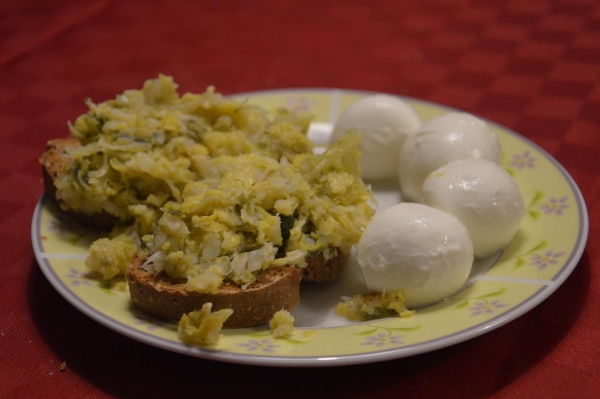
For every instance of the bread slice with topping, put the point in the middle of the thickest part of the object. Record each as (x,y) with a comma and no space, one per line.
(53,160)
(274,289)
(168,299)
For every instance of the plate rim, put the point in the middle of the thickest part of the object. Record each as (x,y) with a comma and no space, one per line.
(350,359)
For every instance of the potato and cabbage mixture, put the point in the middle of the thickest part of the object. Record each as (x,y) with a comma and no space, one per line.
(211,189)
(247,210)
(202,327)
(363,307)
(141,149)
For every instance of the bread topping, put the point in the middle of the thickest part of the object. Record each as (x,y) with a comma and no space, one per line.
(282,324)
(202,327)
(209,188)
(364,307)
(228,225)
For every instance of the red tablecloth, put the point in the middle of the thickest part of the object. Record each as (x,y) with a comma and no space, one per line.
(533,66)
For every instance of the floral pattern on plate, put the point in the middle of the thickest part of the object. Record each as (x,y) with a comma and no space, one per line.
(380,336)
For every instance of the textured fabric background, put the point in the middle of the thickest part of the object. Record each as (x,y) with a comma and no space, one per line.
(533,66)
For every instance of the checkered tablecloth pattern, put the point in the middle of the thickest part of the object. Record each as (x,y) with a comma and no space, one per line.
(533,66)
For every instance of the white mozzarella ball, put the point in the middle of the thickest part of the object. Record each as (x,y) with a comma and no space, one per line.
(424,253)
(483,196)
(387,122)
(439,141)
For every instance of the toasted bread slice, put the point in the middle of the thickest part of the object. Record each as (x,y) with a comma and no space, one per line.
(53,161)
(168,299)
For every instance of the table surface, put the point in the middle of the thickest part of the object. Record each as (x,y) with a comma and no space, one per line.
(533,66)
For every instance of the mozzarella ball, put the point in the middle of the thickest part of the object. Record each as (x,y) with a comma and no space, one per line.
(424,253)
(441,140)
(386,121)
(483,196)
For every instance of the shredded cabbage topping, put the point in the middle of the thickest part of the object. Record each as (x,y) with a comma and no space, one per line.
(144,146)
(374,305)
(217,189)
(228,225)
(110,257)
(202,327)
(282,324)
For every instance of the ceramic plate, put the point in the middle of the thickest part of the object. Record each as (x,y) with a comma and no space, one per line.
(501,288)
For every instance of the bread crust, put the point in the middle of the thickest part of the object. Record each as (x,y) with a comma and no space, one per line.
(53,161)
(320,269)
(168,298)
